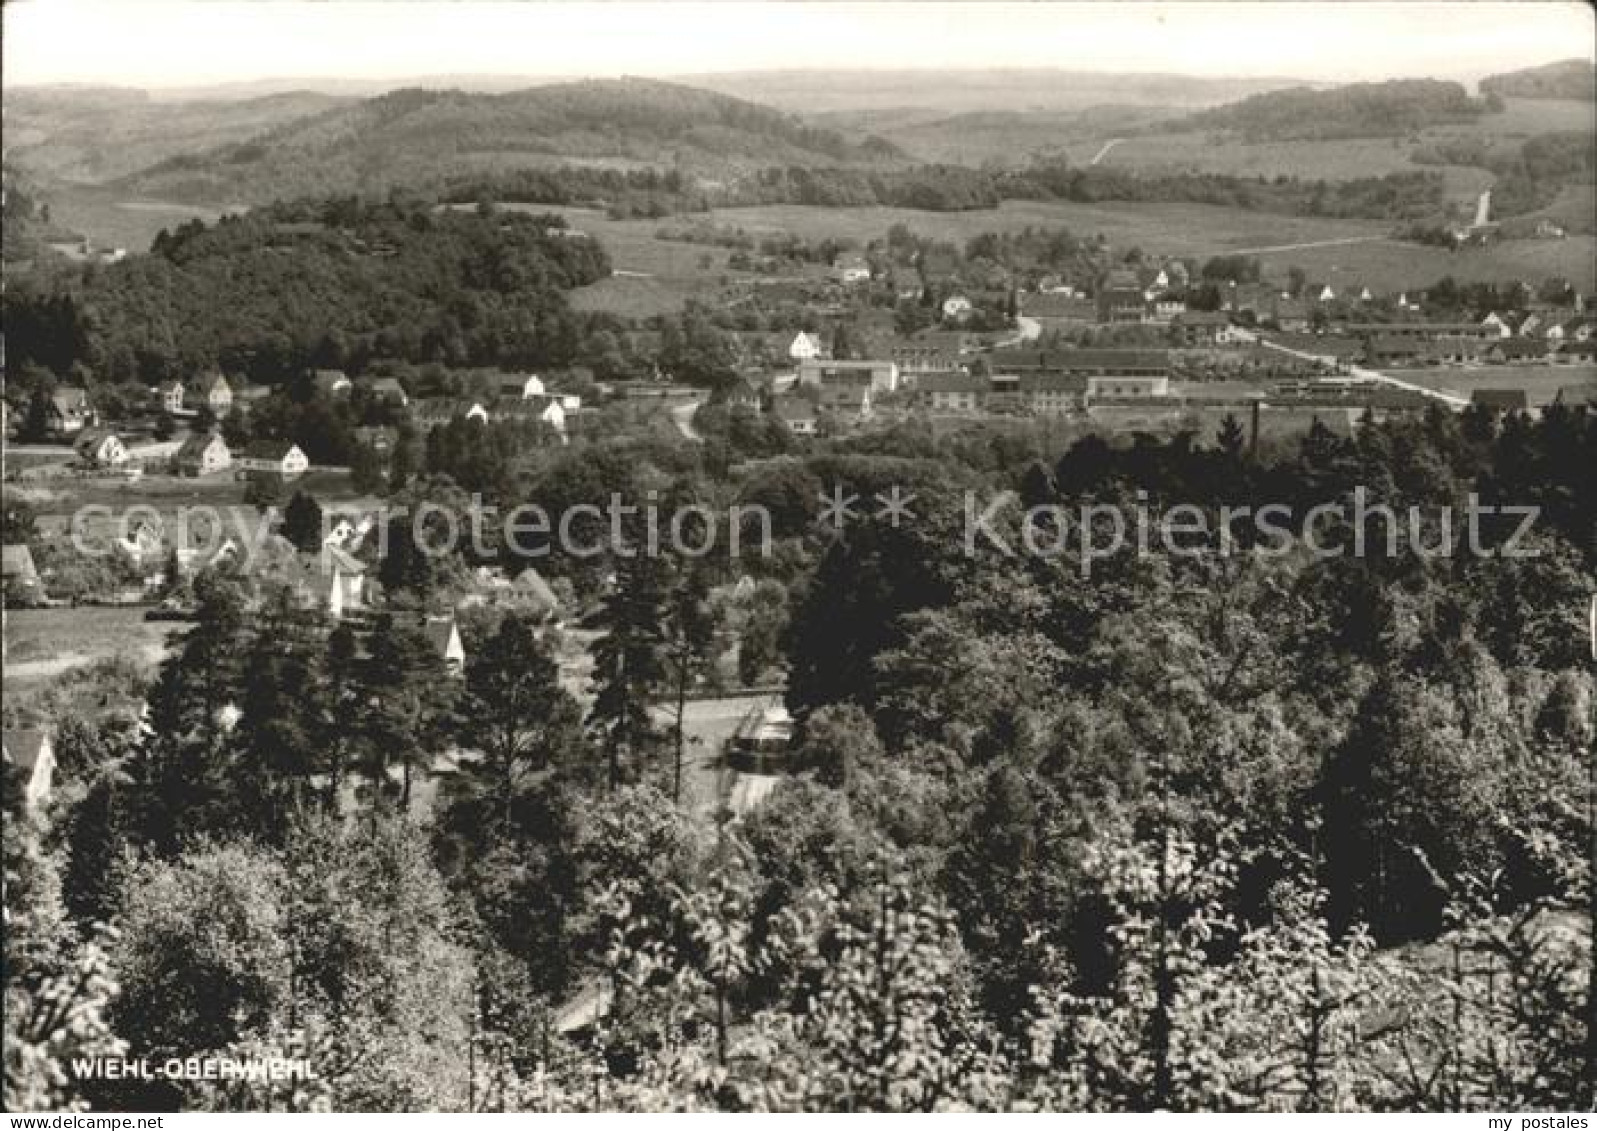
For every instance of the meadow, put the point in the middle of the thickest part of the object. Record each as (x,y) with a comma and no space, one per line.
(1540,382)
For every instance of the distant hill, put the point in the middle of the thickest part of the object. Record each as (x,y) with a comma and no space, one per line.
(1381,109)
(419,138)
(952,92)
(1570,78)
(89,135)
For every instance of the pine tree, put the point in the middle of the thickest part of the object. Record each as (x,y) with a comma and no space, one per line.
(689,651)
(629,662)
(516,712)
(302,523)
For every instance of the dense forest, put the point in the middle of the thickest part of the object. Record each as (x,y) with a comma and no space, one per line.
(1382,109)
(1529,176)
(1250,830)
(952,188)
(269,292)
(1574,79)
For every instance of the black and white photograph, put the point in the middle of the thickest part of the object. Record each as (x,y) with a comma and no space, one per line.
(626,556)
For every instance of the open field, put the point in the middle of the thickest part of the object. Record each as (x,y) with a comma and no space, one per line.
(1342,158)
(109,219)
(1540,382)
(43,642)
(1393,265)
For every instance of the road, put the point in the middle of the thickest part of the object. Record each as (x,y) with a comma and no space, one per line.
(1342,242)
(1104,152)
(1451,400)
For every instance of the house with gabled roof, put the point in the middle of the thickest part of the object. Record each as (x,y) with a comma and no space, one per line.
(805,347)
(218,394)
(282,458)
(388,389)
(203,453)
(99,447)
(169,395)
(796,414)
(69,411)
(522,385)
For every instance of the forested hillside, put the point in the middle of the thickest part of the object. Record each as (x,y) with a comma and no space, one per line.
(1384,109)
(94,134)
(266,293)
(1574,79)
(416,138)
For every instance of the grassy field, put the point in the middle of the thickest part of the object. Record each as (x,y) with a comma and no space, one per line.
(1342,158)
(34,636)
(1392,265)
(1540,382)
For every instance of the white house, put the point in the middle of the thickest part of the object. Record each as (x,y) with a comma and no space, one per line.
(99,448)
(203,453)
(523,385)
(274,457)
(170,395)
(805,347)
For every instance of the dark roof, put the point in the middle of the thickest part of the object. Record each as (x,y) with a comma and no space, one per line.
(951,383)
(789,409)
(194,447)
(1501,398)
(273,450)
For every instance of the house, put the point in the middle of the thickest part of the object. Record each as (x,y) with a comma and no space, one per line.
(1577,394)
(1501,400)
(1324,294)
(952,392)
(1059,310)
(1132,388)
(218,394)
(545,409)
(1389,349)
(522,385)
(805,347)
(1198,327)
(1229,335)
(916,362)
(531,591)
(169,395)
(336,583)
(203,453)
(1121,298)
(1547,230)
(1085,362)
(330,383)
(851,269)
(956,308)
(273,457)
(1166,308)
(98,447)
(19,575)
(1053,394)
(29,755)
(388,389)
(68,411)
(444,635)
(1515,351)
(1499,324)
(742,393)
(1290,314)
(435,411)
(881,376)
(796,414)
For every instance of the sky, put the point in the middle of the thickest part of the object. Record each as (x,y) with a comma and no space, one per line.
(176,43)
